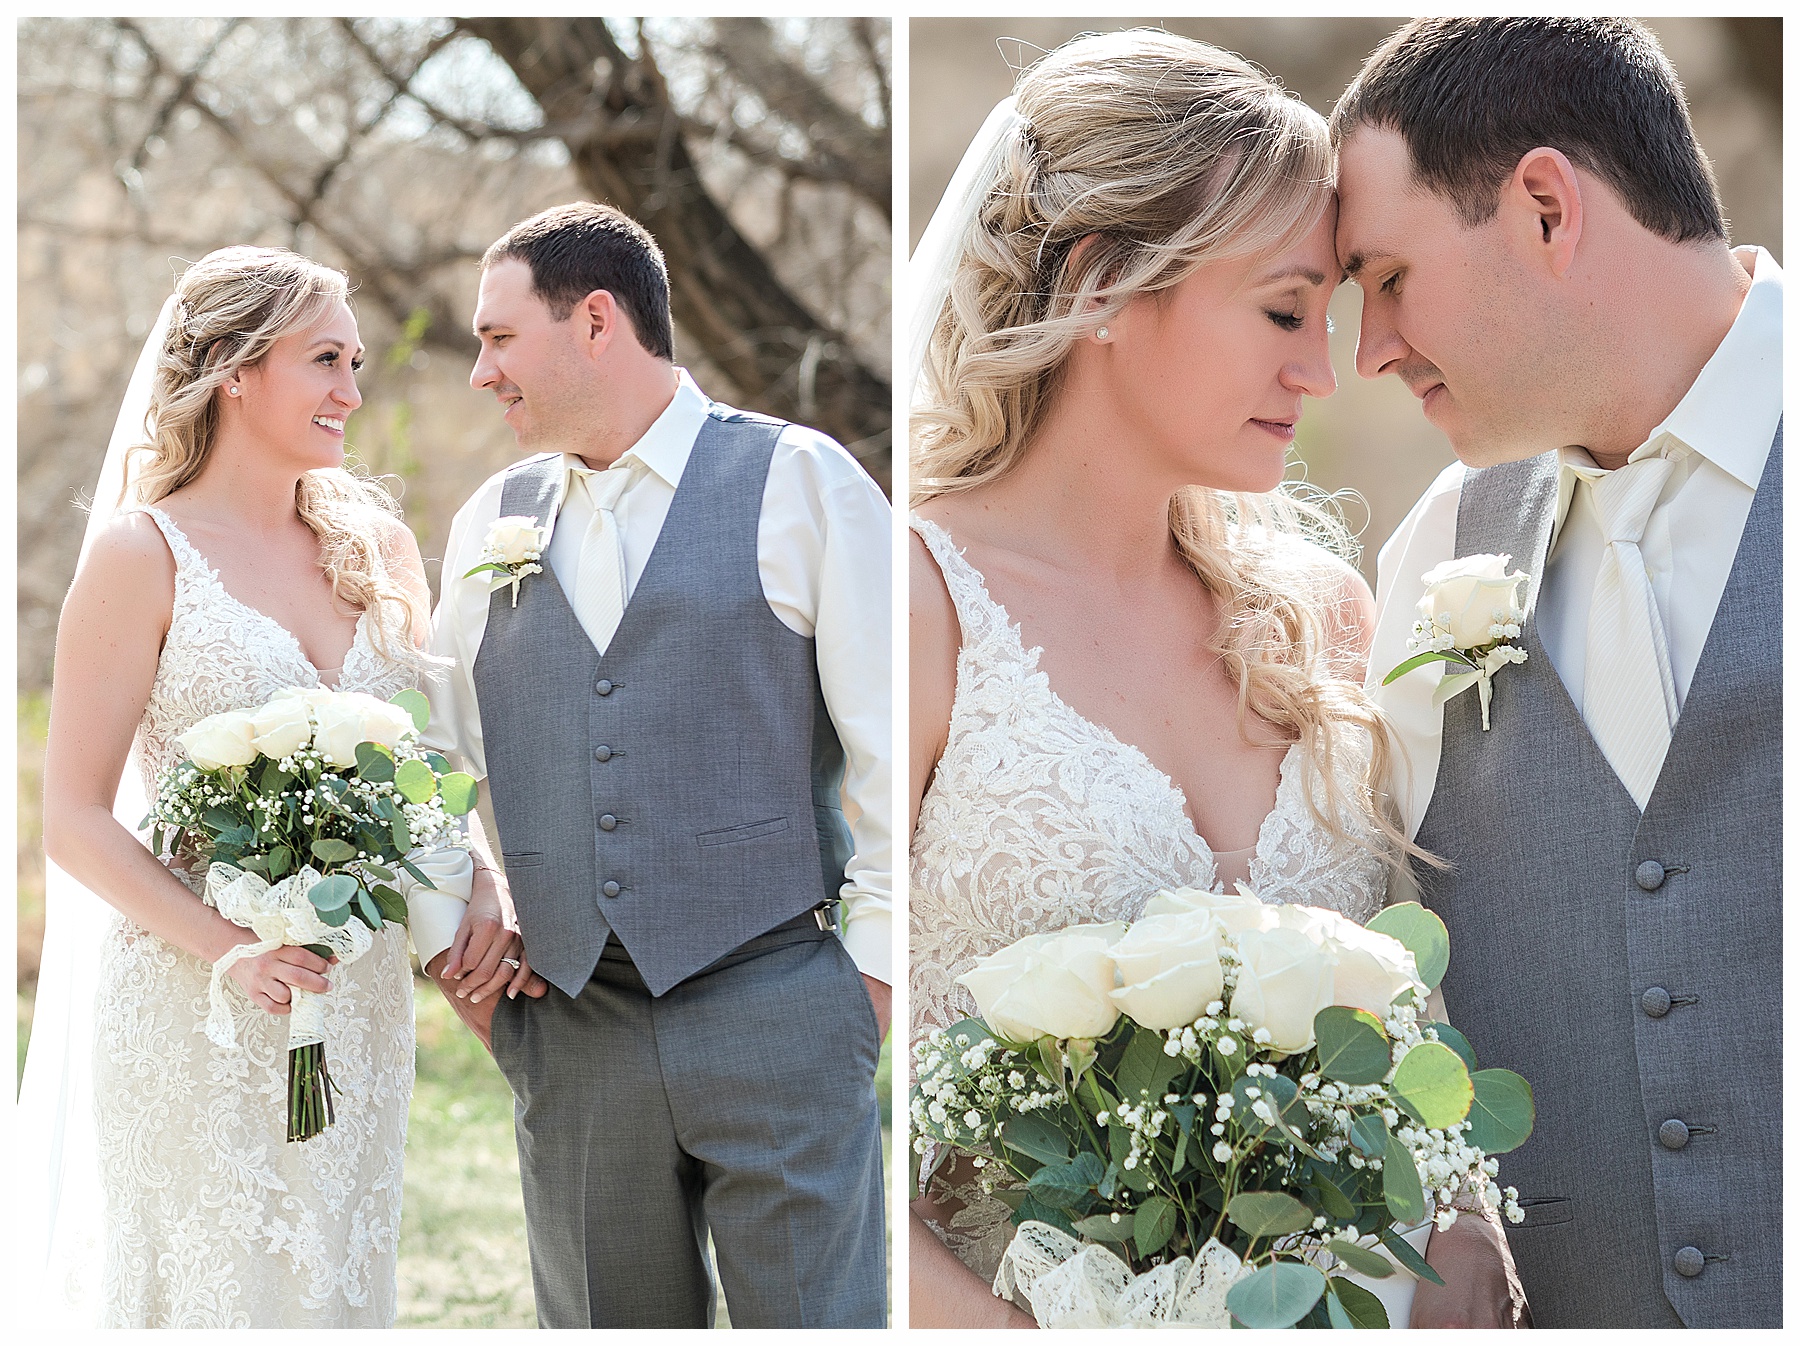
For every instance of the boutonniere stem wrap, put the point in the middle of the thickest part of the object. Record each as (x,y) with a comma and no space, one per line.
(1470,609)
(511,551)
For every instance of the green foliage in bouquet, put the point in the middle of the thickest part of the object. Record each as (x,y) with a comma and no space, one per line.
(352,824)
(320,779)
(1155,1141)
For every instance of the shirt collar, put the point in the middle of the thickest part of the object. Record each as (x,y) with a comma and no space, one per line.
(665,446)
(1728,416)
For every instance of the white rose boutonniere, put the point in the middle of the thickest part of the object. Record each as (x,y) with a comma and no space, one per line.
(1470,609)
(511,551)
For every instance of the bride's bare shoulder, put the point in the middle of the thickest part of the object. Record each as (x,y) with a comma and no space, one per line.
(131,554)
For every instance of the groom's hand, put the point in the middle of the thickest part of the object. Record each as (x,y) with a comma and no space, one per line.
(881,996)
(1481,1286)
(479,1017)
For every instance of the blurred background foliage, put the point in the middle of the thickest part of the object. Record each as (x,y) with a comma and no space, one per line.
(756,150)
(1370,436)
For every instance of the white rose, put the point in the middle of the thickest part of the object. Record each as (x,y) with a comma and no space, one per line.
(220,740)
(1466,592)
(1242,910)
(516,538)
(382,721)
(1169,969)
(1368,968)
(1055,985)
(1283,980)
(282,727)
(340,726)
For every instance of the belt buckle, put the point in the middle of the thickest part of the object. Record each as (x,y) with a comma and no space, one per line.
(823,918)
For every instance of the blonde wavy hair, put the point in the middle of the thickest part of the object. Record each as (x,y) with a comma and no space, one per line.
(1158,155)
(232,306)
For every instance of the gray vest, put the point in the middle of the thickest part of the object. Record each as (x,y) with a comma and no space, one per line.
(1629,966)
(681,789)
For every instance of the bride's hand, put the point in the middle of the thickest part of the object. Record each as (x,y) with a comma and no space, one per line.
(271,978)
(488,954)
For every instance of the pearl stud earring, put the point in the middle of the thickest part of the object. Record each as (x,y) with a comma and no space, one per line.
(1102,333)
(232,390)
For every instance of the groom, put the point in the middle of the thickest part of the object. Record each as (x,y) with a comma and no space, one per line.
(664,714)
(1544,264)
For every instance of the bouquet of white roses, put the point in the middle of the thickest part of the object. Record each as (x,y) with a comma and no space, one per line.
(314,816)
(1225,1113)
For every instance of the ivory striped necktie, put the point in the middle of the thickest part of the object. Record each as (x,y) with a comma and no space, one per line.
(599,597)
(1628,691)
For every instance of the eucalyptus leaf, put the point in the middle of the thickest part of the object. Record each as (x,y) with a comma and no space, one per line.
(1146,1068)
(1332,1198)
(1408,1256)
(1360,1307)
(1369,1134)
(370,911)
(274,780)
(414,704)
(332,851)
(336,916)
(281,861)
(1153,1225)
(1456,1042)
(1275,1296)
(459,791)
(1105,1228)
(1267,1214)
(1400,1187)
(1421,932)
(1503,1113)
(1432,1084)
(438,762)
(1352,1047)
(391,905)
(1032,1209)
(1032,1135)
(414,780)
(1063,1185)
(402,833)
(1366,1261)
(332,894)
(374,762)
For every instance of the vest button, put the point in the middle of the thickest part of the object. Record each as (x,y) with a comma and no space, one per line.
(1656,1002)
(1649,876)
(604,687)
(1690,1261)
(603,753)
(608,822)
(609,889)
(1673,1134)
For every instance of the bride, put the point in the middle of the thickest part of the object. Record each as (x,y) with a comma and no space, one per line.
(242,560)
(1136,659)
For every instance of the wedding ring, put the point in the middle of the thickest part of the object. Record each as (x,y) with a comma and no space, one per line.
(513,963)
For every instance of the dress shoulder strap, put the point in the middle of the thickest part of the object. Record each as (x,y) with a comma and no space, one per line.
(982,618)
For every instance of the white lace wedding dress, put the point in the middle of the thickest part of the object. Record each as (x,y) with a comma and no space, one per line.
(212,1218)
(1037,818)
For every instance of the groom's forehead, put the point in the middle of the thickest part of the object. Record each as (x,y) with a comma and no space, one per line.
(1379,198)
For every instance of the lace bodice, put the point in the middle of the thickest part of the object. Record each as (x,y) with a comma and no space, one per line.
(1037,818)
(212,1219)
(222,654)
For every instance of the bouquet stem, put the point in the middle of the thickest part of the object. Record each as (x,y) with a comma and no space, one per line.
(310,1108)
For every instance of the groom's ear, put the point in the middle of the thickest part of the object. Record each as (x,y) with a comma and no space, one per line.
(601,318)
(1545,195)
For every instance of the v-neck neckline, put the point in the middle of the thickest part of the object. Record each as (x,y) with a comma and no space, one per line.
(357,631)
(1031,657)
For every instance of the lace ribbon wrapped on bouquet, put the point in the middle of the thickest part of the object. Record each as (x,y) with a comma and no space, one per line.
(1067,1283)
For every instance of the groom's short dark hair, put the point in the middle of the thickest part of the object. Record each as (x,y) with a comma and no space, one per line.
(576,249)
(1471,96)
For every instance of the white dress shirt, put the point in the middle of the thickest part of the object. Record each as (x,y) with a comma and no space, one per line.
(823,556)
(1719,436)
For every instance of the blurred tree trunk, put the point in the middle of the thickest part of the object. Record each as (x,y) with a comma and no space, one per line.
(624,136)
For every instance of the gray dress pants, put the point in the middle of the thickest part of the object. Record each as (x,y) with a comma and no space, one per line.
(742,1101)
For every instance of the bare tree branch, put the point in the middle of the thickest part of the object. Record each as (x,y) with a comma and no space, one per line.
(725,297)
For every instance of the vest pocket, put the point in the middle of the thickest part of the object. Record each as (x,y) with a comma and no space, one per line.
(521,859)
(725,836)
(1544,1210)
